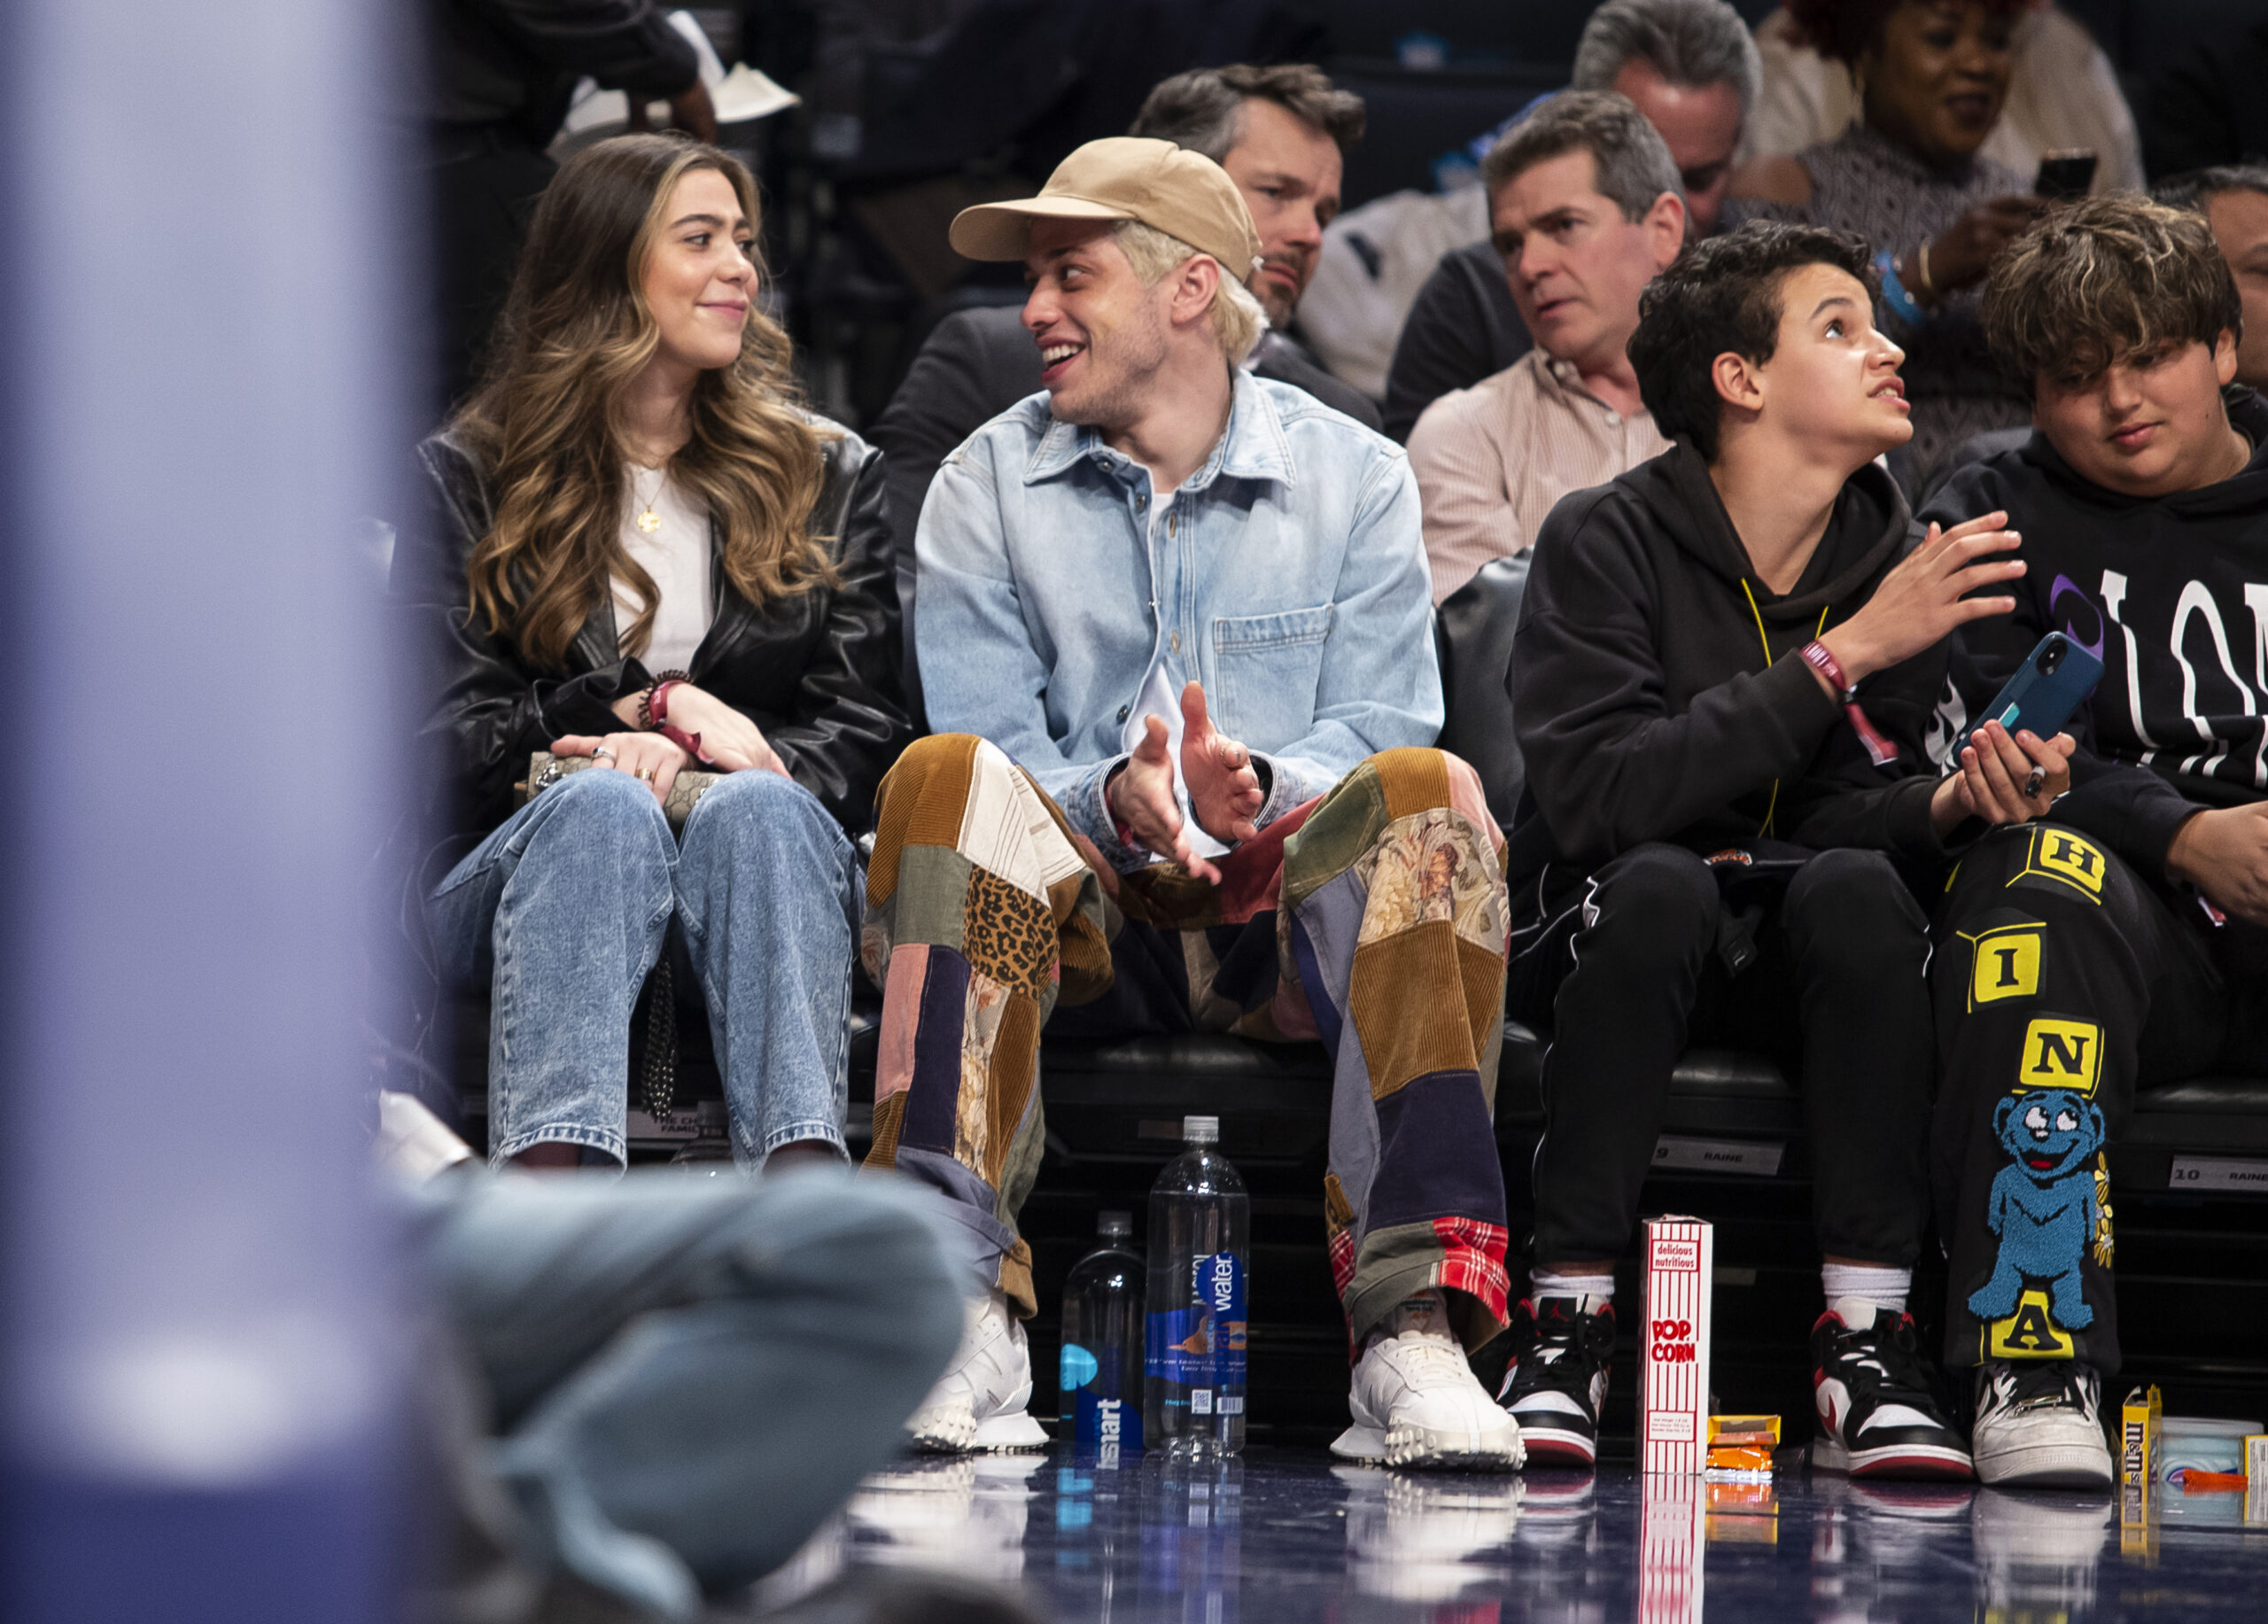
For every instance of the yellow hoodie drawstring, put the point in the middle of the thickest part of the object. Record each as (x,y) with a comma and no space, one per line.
(1773,806)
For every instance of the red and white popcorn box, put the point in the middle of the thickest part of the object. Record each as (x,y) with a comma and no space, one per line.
(1674,1395)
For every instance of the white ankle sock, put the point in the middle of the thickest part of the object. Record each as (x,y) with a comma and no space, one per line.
(1876,1286)
(1595,1291)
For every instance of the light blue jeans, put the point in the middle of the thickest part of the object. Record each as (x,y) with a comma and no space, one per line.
(684,1375)
(566,905)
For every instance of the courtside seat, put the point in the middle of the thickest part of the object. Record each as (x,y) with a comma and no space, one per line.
(1123,1100)
(1473,637)
(2201,1134)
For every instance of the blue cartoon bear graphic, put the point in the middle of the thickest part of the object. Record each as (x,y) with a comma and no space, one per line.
(2044,1205)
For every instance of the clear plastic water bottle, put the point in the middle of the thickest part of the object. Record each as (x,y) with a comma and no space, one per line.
(1100,1376)
(1200,1219)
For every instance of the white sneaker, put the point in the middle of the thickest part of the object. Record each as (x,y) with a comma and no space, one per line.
(978,1403)
(2038,1426)
(1416,1403)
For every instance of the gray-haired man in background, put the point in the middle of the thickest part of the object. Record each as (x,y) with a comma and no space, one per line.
(1585,209)
(1691,67)
(2233,199)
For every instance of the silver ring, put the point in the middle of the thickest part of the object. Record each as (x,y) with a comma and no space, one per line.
(601,750)
(2031,786)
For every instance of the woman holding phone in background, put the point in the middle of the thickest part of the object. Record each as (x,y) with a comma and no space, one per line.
(1910,178)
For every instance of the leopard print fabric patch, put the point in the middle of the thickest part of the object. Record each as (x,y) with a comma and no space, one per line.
(1008,933)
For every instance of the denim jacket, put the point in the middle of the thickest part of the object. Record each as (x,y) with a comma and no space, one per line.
(1288,575)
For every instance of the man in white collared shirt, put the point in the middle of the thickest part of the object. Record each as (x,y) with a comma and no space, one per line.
(1586,207)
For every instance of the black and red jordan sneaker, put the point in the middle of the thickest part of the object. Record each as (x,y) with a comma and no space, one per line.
(1556,1379)
(1879,1413)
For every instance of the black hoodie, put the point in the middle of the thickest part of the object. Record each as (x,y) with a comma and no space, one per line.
(1658,695)
(2172,591)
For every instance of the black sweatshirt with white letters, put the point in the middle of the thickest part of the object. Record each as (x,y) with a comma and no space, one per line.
(2172,593)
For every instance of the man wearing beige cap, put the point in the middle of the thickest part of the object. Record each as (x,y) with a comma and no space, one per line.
(1177,636)
(1283,133)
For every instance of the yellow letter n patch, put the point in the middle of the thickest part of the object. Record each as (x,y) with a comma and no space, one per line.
(2061,1054)
(2007,964)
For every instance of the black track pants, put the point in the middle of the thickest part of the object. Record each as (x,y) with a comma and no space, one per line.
(1836,995)
(2060,982)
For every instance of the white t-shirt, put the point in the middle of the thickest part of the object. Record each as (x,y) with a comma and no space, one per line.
(676,556)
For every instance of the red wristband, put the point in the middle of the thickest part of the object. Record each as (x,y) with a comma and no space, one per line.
(690,742)
(1881,751)
(1821,659)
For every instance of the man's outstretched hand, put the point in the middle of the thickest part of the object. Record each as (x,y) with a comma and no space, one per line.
(1224,786)
(1140,797)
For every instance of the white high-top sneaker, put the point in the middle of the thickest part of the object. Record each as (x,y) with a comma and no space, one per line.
(1416,1403)
(978,1403)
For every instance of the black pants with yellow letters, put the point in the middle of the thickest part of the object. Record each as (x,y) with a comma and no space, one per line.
(2061,982)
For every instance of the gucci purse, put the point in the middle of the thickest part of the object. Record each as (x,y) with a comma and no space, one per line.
(546,769)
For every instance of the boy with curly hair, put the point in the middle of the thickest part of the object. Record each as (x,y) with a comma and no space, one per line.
(2124,942)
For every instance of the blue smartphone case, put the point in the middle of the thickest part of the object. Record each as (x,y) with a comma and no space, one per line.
(2040,699)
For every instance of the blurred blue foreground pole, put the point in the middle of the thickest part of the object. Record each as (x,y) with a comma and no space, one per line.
(202,263)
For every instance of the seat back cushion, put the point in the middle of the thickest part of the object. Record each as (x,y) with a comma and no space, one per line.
(1475,629)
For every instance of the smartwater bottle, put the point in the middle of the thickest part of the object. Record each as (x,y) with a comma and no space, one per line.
(1101,1369)
(1192,1391)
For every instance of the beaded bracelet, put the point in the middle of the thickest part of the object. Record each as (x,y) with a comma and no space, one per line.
(648,722)
(1894,294)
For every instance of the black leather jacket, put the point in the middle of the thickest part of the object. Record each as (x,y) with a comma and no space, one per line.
(818,672)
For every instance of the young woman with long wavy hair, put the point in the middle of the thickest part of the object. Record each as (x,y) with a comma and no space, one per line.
(640,549)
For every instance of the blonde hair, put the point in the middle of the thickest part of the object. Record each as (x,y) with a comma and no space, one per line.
(1238,320)
(548,423)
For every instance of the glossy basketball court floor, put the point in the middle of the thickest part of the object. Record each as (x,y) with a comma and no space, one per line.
(1283,1533)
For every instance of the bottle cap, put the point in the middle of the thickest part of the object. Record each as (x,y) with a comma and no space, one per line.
(1200,1129)
(1115,1225)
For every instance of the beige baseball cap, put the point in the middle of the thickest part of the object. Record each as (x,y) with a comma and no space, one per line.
(1183,194)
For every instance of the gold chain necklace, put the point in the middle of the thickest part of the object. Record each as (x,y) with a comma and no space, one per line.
(649,520)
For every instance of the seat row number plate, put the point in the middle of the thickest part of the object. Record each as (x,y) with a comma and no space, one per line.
(1757,1158)
(2207,1173)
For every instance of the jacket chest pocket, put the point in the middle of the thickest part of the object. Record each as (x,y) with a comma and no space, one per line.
(1266,669)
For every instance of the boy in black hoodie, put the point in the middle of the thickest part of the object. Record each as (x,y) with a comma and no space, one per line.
(2122,943)
(1725,666)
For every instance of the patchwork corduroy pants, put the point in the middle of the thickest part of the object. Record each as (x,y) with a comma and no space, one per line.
(1372,918)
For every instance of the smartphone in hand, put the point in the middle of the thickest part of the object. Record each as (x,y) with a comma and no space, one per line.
(2065,174)
(2054,680)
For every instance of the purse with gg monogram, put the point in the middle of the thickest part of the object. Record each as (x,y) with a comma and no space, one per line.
(546,769)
